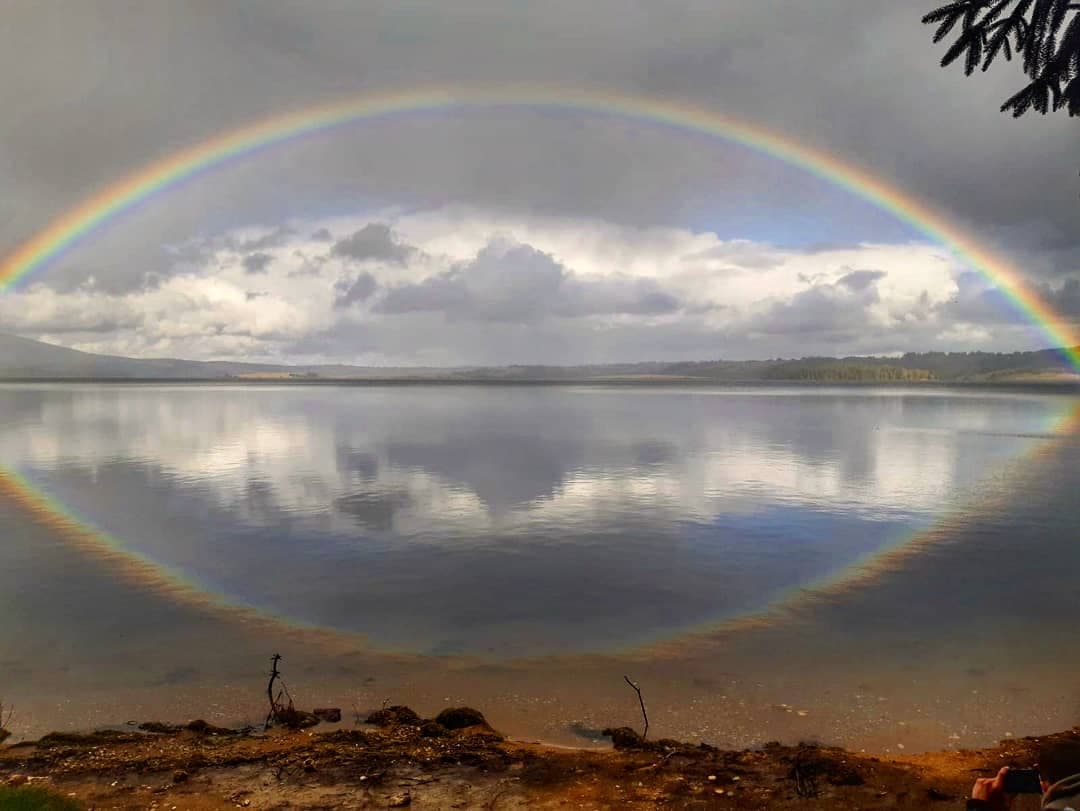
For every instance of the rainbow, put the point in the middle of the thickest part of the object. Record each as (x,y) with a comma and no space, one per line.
(797,603)
(162,175)
(788,606)
(172,583)
(51,513)
(157,178)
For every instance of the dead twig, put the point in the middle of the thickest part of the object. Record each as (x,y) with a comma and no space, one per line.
(275,674)
(6,714)
(658,763)
(641,701)
(281,708)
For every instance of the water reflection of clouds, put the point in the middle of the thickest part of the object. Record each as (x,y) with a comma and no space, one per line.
(505,520)
(520,456)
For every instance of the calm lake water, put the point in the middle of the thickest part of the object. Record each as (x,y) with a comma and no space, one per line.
(855,554)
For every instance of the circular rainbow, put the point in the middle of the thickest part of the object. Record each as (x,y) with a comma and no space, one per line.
(788,605)
(158,177)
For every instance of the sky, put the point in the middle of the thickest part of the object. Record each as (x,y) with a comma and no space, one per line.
(528,235)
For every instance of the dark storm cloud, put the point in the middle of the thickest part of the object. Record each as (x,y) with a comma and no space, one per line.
(859,280)
(443,293)
(257,262)
(341,340)
(838,310)
(512,282)
(376,242)
(355,290)
(615,295)
(977,302)
(277,237)
(506,282)
(869,87)
(1065,299)
(322,235)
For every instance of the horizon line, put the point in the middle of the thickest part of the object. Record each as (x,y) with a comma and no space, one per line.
(1057,350)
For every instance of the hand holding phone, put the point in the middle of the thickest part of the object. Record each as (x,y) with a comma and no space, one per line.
(1022,781)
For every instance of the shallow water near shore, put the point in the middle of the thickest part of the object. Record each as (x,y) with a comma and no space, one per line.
(875,567)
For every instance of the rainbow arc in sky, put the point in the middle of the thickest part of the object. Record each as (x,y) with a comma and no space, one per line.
(158,177)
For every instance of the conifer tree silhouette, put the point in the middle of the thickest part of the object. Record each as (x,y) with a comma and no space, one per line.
(1045,33)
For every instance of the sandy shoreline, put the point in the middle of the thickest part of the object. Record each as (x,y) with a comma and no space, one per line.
(408,762)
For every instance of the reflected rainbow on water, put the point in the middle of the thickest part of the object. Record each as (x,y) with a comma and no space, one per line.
(792,606)
(131,559)
(171,583)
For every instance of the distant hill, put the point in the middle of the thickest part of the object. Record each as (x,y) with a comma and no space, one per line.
(942,366)
(22,358)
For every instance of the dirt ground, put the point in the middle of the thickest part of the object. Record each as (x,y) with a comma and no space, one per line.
(408,762)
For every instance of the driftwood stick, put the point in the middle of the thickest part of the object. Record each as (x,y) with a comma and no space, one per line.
(275,674)
(641,701)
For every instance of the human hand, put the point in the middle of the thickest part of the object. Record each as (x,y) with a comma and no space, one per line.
(991,790)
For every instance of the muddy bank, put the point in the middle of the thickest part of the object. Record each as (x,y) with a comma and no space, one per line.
(461,762)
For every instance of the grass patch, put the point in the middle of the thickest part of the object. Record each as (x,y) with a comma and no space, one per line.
(32,798)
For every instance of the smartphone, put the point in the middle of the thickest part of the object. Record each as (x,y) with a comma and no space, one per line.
(1022,781)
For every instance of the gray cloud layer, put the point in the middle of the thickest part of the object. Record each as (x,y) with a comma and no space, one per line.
(594,293)
(355,290)
(257,262)
(119,89)
(374,242)
(511,282)
(859,78)
(836,312)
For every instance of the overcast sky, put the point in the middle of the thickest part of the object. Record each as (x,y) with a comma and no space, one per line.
(498,236)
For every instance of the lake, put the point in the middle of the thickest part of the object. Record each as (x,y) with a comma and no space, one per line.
(871,566)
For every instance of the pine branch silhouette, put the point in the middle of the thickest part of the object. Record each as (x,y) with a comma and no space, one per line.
(1045,33)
